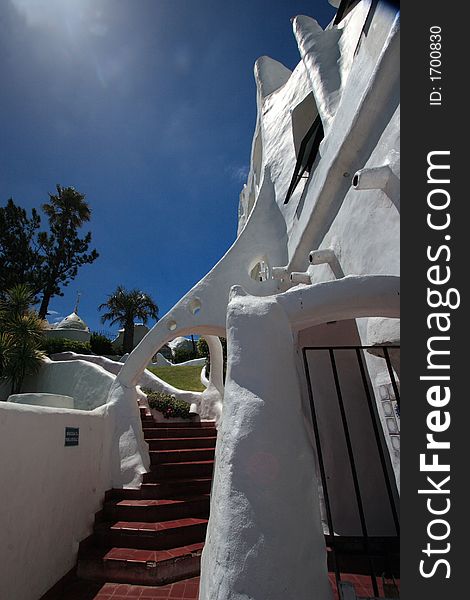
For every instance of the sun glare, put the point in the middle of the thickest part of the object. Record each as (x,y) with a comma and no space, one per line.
(72,16)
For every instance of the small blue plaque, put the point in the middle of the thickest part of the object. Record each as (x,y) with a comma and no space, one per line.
(71,436)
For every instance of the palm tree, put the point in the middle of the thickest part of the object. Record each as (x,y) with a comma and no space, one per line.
(124,307)
(20,337)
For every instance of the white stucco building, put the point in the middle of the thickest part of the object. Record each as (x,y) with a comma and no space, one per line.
(140,331)
(307,297)
(71,327)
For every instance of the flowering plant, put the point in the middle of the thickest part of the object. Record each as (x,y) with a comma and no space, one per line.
(168,405)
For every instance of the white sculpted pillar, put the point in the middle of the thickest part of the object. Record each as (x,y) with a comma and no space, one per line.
(265,538)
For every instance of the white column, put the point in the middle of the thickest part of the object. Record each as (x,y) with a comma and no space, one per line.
(265,538)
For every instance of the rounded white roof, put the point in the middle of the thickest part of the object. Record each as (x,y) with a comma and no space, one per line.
(73,321)
(179,342)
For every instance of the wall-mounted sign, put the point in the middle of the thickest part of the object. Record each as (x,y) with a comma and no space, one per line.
(71,436)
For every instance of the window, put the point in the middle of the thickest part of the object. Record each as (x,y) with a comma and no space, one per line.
(308,150)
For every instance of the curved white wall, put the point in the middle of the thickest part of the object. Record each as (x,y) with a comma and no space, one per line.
(76,335)
(88,384)
(51,400)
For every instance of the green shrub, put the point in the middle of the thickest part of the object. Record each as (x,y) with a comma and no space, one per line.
(168,405)
(100,344)
(21,332)
(182,355)
(56,345)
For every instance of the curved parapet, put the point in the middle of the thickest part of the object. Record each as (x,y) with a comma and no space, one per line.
(270,75)
(210,401)
(146,380)
(328,56)
(351,297)
(319,50)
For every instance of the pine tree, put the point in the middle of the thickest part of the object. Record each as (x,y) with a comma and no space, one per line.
(64,251)
(20,260)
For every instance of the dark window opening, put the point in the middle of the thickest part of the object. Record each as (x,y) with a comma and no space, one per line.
(307,153)
(343,9)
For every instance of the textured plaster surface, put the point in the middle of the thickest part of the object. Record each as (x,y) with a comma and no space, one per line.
(265,509)
(51,400)
(87,383)
(92,386)
(50,493)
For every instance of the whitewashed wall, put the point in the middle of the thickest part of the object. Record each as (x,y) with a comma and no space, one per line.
(50,493)
(87,383)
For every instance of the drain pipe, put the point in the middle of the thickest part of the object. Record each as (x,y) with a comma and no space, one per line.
(374,178)
(327,256)
(301,278)
(280,273)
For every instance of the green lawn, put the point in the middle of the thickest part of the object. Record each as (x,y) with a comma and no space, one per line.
(183,378)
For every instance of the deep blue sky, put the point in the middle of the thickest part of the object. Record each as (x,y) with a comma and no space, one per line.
(148,107)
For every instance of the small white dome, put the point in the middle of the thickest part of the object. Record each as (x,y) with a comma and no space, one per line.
(180,343)
(73,321)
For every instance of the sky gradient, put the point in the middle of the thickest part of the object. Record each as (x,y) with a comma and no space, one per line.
(148,107)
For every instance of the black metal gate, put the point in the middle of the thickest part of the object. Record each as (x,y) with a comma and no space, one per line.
(353,461)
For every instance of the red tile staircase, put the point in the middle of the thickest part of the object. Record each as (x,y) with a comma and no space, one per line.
(147,542)
(146,539)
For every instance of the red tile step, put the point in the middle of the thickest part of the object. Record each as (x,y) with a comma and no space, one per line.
(170,488)
(173,432)
(181,590)
(143,567)
(181,455)
(148,510)
(175,488)
(148,421)
(156,490)
(187,589)
(149,537)
(142,535)
(179,424)
(180,470)
(181,443)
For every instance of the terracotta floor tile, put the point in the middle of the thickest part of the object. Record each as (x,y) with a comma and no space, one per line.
(155,593)
(135,592)
(117,553)
(122,589)
(109,588)
(191,592)
(163,555)
(177,591)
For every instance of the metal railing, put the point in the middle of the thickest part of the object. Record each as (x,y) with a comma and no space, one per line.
(379,554)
